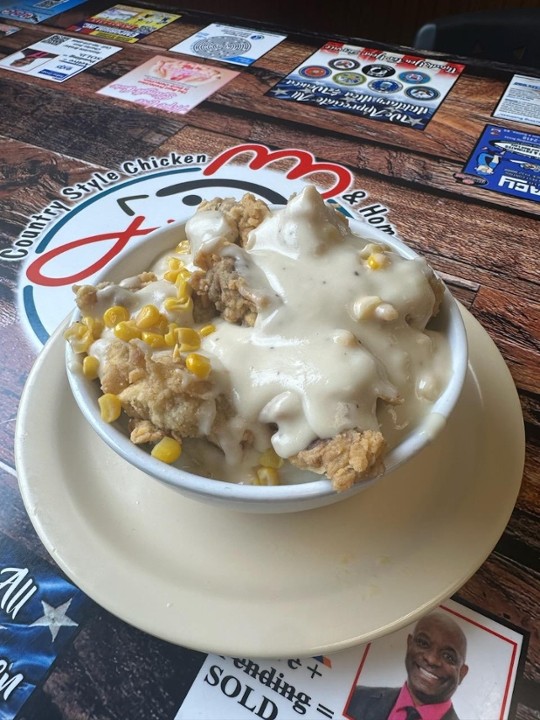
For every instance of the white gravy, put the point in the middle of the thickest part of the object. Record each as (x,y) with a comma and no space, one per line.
(336,345)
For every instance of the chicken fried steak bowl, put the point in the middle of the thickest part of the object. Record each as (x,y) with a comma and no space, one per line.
(267,359)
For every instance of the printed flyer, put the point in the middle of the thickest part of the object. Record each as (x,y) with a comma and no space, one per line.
(124,23)
(236,45)
(168,84)
(506,161)
(386,86)
(35,11)
(521,101)
(57,57)
(456,660)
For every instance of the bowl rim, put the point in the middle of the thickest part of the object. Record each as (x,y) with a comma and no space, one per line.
(85,395)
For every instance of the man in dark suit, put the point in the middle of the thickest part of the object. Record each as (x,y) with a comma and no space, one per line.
(435,664)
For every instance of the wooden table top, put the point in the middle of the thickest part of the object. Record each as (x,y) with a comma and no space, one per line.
(483,243)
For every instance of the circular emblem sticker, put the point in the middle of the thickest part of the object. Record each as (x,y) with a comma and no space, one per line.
(380,71)
(414,77)
(348,78)
(314,71)
(344,64)
(422,93)
(221,47)
(385,86)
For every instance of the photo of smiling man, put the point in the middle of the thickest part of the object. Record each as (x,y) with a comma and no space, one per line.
(435,666)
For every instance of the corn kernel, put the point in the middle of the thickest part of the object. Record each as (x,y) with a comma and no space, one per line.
(198,365)
(371,248)
(147,316)
(183,274)
(173,305)
(79,337)
(94,325)
(207,330)
(174,263)
(155,340)
(115,314)
(170,335)
(365,306)
(127,330)
(183,289)
(270,459)
(168,450)
(110,407)
(188,339)
(376,261)
(171,275)
(90,367)
(183,247)
(267,476)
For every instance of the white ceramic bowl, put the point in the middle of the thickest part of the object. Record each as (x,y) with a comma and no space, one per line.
(248,498)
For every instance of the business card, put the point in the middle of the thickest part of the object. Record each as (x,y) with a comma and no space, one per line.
(520,101)
(169,84)
(57,57)
(240,46)
(124,23)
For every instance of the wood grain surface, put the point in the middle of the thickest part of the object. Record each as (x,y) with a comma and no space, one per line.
(484,244)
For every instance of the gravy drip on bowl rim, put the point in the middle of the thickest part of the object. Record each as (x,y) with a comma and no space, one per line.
(339,341)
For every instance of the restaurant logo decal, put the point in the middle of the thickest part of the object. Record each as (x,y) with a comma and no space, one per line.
(92,222)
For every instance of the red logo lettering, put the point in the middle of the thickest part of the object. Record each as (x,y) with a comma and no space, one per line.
(305,164)
(36,270)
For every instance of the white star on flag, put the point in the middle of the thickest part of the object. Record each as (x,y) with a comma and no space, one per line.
(55,618)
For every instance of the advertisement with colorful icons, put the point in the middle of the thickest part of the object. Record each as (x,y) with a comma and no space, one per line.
(386,86)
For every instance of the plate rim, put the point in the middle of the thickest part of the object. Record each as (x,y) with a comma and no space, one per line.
(45,527)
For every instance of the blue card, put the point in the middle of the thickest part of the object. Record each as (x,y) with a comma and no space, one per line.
(506,161)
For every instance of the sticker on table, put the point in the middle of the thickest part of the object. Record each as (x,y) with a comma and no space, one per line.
(58,57)
(40,613)
(35,11)
(387,86)
(506,161)
(124,23)
(521,101)
(361,681)
(7,30)
(240,46)
(169,84)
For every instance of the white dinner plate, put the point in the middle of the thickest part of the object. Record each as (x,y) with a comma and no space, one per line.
(284,585)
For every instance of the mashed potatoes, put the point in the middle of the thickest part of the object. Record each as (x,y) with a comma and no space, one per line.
(278,336)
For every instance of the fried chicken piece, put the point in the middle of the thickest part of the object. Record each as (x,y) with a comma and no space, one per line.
(142,432)
(244,215)
(224,290)
(345,459)
(159,391)
(86,296)
(219,288)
